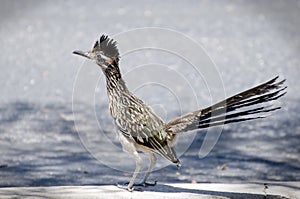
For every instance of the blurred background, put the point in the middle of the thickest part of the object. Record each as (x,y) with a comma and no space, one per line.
(249,41)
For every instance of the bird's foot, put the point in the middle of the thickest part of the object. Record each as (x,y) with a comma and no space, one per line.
(145,184)
(126,187)
(141,184)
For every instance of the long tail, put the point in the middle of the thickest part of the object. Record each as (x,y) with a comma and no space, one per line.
(238,108)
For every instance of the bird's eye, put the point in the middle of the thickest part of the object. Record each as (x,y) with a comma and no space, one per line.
(99,57)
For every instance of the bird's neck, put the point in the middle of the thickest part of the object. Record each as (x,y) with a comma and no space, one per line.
(114,82)
(116,85)
(116,90)
(113,76)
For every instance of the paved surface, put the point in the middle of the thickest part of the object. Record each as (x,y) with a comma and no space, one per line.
(250,42)
(211,191)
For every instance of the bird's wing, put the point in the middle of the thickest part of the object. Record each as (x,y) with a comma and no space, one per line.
(145,127)
(241,107)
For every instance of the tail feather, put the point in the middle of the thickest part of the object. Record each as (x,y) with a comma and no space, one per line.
(232,109)
(230,118)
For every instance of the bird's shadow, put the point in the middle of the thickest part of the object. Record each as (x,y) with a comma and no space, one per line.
(162,188)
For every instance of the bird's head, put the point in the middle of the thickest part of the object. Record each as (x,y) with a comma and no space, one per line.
(104,53)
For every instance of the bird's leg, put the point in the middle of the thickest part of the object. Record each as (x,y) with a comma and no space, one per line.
(151,166)
(138,162)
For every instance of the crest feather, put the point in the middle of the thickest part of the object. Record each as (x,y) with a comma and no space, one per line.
(108,47)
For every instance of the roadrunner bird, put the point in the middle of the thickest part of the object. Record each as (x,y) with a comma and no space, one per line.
(140,129)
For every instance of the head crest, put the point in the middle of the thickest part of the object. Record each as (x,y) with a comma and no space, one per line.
(108,47)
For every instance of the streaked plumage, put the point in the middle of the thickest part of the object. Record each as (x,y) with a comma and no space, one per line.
(140,129)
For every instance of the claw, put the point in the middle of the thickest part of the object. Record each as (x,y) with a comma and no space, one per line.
(141,184)
(125,186)
(145,184)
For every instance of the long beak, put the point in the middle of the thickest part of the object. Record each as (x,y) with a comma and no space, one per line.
(81,53)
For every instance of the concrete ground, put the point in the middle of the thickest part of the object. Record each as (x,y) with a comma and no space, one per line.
(176,191)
